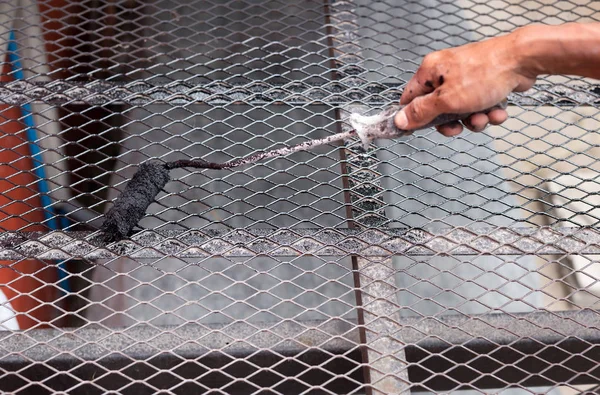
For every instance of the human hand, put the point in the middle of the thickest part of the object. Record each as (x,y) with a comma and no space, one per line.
(465,80)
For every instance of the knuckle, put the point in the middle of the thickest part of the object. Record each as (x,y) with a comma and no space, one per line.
(451,106)
(431,59)
(435,60)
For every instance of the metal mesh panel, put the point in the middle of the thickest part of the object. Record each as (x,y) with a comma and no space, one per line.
(426,264)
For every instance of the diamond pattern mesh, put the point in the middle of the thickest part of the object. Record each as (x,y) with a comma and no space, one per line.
(429,264)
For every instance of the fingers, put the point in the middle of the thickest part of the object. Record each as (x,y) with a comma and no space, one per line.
(436,89)
(425,80)
(419,85)
(478,122)
(423,110)
(475,123)
(419,112)
(497,116)
(450,129)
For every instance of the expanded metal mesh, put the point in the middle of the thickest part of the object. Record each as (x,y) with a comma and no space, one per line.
(425,264)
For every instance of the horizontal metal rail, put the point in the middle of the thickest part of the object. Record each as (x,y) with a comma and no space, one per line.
(513,349)
(332,242)
(297,93)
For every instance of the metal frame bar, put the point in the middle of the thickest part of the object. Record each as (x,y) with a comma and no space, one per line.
(336,92)
(383,356)
(514,350)
(334,34)
(383,242)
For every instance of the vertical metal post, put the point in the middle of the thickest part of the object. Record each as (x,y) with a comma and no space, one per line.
(386,369)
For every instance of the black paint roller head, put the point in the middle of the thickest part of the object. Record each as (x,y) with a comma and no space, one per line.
(139,193)
(130,207)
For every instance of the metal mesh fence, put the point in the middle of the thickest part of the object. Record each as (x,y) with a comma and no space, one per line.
(426,264)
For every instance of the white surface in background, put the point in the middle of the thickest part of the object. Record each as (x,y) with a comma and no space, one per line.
(8,319)
(576,202)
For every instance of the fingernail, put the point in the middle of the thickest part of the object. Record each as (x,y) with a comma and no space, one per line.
(400,120)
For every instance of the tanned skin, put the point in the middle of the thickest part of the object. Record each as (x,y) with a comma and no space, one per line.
(476,76)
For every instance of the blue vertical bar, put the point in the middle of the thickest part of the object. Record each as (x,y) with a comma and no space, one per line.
(36,153)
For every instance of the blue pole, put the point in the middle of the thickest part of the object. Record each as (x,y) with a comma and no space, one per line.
(36,153)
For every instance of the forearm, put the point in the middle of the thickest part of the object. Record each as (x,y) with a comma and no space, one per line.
(572,49)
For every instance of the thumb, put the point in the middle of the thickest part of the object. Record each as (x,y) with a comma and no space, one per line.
(419,112)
